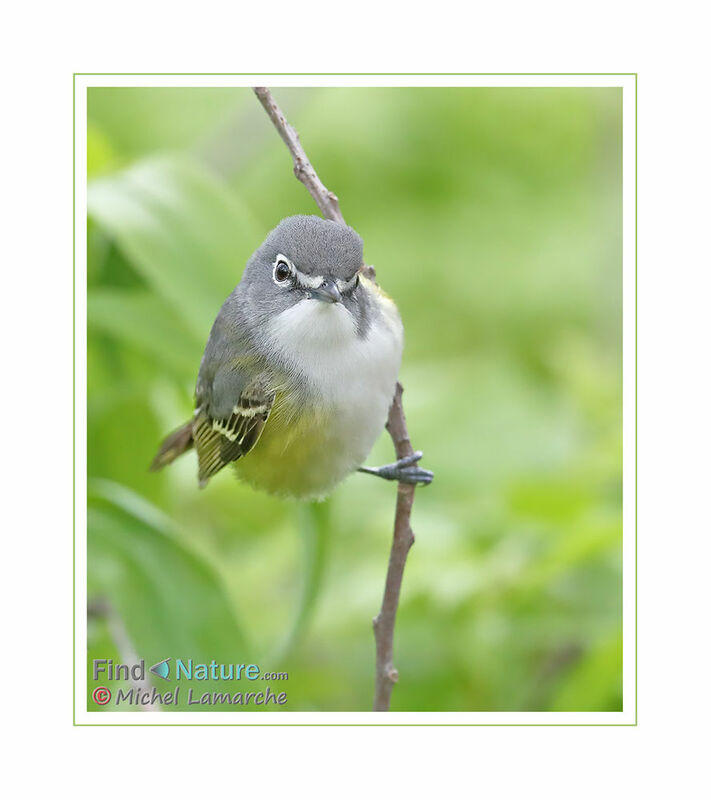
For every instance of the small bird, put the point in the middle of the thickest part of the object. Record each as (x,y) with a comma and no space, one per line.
(299,370)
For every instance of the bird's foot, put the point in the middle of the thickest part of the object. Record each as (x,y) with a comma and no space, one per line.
(404,471)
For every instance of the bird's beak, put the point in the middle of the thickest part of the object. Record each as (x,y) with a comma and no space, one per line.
(327,292)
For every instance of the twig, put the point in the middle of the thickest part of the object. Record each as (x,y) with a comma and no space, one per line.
(101,608)
(325,200)
(384,623)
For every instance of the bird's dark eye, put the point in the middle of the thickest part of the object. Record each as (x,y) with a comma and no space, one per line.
(282,271)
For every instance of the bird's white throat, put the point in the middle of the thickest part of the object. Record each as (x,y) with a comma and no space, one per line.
(311,327)
(320,342)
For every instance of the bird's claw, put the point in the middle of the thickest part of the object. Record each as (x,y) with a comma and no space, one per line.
(405,470)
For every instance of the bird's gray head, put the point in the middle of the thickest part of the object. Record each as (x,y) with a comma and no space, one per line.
(306,258)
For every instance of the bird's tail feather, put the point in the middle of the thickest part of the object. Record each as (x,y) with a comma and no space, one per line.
(174,445)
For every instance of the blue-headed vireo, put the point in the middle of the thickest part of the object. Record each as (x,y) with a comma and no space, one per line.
(299,370)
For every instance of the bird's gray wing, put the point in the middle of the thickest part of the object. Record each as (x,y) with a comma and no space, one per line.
(234,396)
(232,409)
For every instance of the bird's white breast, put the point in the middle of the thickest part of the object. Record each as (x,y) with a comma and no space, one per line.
(345,386)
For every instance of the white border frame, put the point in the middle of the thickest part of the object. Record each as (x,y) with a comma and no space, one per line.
(628,716)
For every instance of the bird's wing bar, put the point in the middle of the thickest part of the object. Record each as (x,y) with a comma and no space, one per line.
(222,439)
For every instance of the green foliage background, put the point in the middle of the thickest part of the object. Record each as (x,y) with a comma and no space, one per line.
(493,217)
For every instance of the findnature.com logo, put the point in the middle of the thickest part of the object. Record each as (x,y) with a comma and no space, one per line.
(141,693)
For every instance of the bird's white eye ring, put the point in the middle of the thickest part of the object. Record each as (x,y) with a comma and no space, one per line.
(282,270)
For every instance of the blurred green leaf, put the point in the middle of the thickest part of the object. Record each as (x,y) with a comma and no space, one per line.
(185,232)
(143,320)
(169,599)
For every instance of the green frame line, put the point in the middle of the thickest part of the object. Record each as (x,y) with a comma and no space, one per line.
(352,724)
(353,74)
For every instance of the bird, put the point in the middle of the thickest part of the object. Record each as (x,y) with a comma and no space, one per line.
(299,369)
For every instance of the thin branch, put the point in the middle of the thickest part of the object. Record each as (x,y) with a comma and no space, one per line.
(101,608)
(325,200)
(384,623)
